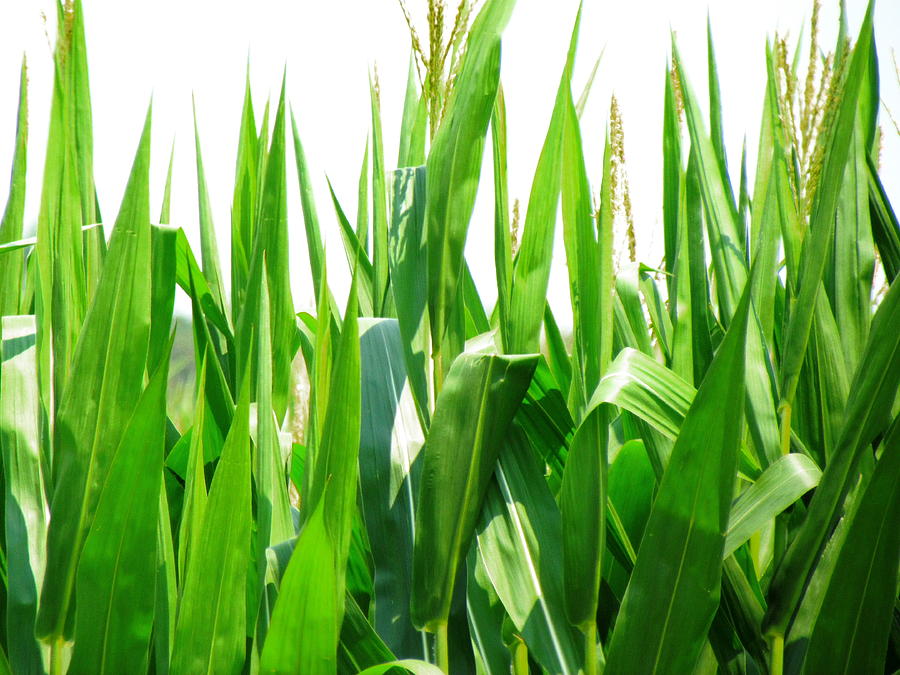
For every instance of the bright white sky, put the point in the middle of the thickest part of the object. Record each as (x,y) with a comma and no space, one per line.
(171,48)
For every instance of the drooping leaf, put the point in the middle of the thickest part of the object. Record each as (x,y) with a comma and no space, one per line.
(779,486)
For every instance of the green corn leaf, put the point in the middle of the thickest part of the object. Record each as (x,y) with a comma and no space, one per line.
(726,238)
(379,211)
(26,242)
(115,604)
(362,201)
(643,386)
(391,440)
(779,486)
(408,121)
(167,190)
(716,129)
(867,413)
(454,165)
(191,280)
(303,634)
(822,218)
(360,646)
(664,618)
(409,277)
(764,213)
(557,357)
(62,292)
(335,463)
(273,512)
(885,228)
(311,600)
(531,273)
(583,495)
(518,536)
(545,418)
(701,314)
(163,261)
(166,589)
(243,205)
(193,509)
(851,633)
(209,252)
(269,261)
(25,503)
(410,665)
(103,389)
(472,414)
(674,227)
(849,279)
(630,324)
(660,321)
(13,216)
(477,321)
(588,85)
(74,67)
(503,260)
(486,618)
(356,254)
(310,217)
(212,619)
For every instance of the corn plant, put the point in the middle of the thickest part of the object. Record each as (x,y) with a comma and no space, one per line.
(704,478)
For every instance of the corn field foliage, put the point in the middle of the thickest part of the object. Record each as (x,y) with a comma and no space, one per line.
(705,478)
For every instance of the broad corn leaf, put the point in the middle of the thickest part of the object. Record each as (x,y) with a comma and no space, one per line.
(673,591)
(114,612)
(103,388)
(472,414)
(454,165)
(25,503)
(211,630)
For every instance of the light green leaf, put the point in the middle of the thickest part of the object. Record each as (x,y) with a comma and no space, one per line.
(303,634)
(454,165)
(212,621)
(531,272)
(13,216)
(674,588)
(25,504)
(209,251)
(779,486)
(115,602)
(519,535)
(103,389)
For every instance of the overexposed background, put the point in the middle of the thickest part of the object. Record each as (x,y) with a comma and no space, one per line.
(171,48)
